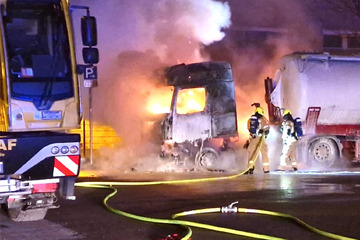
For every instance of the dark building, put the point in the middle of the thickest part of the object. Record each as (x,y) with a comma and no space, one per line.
(305,25)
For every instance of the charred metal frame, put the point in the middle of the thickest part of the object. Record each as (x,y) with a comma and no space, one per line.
(217,121)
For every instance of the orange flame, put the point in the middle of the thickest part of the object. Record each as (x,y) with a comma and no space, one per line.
(188,101)
(159,100)
(242,126)
(191,100)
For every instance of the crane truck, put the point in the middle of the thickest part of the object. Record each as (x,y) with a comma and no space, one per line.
(323,90)
(39,103)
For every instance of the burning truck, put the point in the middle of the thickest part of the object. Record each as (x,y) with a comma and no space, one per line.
(200,130)
(323,90)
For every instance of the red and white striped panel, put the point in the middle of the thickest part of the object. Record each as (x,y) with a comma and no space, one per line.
(66,166)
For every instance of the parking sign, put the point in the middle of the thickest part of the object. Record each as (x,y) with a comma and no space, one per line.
(90,73)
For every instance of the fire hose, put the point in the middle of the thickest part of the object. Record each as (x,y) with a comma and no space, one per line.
(188,224)
(232,209)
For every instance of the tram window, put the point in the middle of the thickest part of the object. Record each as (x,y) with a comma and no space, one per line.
(37,44)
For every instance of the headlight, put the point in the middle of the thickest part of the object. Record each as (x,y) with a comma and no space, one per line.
(55,150)
(64,149)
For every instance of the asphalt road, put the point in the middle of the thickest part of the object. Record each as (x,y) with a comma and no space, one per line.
(327,201)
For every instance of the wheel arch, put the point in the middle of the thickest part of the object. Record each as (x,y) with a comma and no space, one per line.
(333,138)
(330,139)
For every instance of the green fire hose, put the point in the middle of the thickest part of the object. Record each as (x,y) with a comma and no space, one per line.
(188,224)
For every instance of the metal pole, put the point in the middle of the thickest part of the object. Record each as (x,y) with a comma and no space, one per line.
(91,125)
(84,137)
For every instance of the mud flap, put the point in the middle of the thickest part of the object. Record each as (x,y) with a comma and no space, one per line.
(19,215)
(66,188)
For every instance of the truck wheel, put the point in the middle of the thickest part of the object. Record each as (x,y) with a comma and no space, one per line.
(206,158)
(19,215)
(323,152)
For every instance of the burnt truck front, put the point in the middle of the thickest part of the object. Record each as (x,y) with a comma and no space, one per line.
(199,127)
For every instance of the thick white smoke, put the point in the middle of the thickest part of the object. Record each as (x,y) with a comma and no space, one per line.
(137,39)
(167,27)
(280,27)
(177,30)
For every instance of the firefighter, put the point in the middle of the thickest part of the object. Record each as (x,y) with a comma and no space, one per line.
(257,126)
(289,138)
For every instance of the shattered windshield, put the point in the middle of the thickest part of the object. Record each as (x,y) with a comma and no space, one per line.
(38,52)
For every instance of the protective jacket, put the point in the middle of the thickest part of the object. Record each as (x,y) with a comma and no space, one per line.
(289,138)
(288,131)
(257,126)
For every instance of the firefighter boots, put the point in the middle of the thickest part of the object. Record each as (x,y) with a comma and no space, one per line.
(250,171)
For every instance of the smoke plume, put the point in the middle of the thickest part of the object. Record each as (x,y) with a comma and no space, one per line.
(139,38)
(262,32)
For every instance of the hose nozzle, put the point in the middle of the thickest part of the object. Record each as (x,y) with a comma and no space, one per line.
(230,208)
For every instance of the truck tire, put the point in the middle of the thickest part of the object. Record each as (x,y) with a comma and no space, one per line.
(206,158)
(323,153)
(19,215)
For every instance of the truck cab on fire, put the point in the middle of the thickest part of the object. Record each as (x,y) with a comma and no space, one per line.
(201,132)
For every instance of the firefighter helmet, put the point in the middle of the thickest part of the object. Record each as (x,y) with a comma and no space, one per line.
(260,111)
(286,111)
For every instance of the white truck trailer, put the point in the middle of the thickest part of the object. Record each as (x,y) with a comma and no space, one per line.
(324,91)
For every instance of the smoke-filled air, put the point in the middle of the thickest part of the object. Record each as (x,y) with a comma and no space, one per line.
(138,39)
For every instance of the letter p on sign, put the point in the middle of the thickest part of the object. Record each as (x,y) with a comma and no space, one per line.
(90,73)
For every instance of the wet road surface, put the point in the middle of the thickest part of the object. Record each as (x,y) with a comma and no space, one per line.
(328,201)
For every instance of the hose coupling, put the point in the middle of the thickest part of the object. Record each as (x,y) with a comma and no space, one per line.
(230,208)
